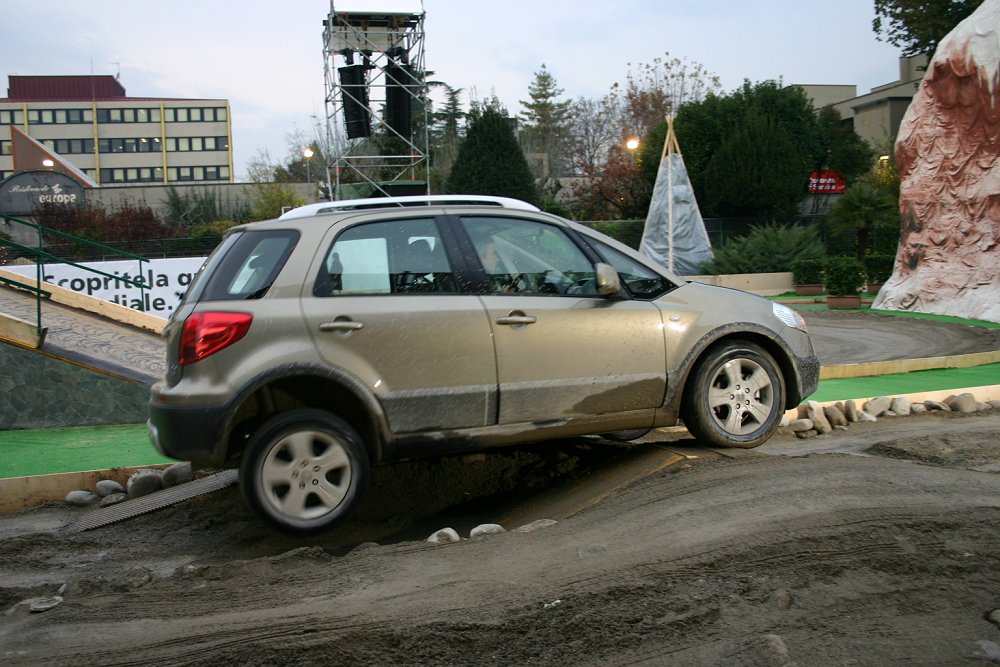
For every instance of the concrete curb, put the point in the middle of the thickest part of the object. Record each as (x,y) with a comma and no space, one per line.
(18,493)
(871,368)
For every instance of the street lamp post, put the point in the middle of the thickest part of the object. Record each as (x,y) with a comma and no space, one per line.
(307,153)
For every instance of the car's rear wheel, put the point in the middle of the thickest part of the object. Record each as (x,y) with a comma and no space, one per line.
(304,470)
(735,396)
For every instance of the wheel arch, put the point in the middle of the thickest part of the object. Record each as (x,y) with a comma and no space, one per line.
(680,378)
(291,387)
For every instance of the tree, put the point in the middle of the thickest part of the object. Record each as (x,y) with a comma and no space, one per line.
(490,161)
(546,122)
(747,153)
(757,170)
(918,26)
(863,211)
(270,187)
(446,137)
(656,90)
(613,184)
(841,148)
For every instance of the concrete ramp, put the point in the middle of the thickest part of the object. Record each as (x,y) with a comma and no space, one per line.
(89,370)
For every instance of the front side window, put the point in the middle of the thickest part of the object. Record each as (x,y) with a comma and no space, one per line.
(641,281)
(392,257)
(529,257)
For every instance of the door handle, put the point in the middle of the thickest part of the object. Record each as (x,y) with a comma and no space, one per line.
(517,319)
(341,325)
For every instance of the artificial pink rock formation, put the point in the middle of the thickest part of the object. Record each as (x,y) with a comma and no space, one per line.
(948,155)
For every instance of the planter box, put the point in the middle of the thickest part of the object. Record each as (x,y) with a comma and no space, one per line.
(843,302)
(808,290)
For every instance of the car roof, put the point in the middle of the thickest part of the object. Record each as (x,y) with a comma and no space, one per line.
(312,210)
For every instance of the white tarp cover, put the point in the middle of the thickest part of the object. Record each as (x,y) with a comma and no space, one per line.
(674,235)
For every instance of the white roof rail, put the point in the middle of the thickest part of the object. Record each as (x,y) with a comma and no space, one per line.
(310,210)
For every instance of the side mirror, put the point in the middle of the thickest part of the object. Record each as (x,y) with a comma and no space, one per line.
(608,282)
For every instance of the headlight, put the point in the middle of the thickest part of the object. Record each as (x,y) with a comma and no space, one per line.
(789,317)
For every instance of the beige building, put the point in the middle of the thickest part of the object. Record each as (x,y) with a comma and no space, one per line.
(877,114)
(114,139)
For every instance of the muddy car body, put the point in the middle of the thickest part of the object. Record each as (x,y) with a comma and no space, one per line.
(345,335)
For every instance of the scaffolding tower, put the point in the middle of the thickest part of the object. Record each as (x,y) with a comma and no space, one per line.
(377,127)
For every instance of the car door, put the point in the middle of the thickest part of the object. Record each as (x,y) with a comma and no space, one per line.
(385,307)
(563,351)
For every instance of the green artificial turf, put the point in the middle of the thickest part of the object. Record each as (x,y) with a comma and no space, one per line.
(907,383)
(46,451)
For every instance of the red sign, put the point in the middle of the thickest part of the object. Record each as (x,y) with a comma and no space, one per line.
(826,182)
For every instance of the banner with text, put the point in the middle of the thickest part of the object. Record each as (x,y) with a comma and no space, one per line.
(167,279)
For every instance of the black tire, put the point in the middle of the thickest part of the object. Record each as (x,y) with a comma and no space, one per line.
(304,470)
(711,410)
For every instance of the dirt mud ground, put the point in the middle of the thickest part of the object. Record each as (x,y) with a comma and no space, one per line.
(877,545)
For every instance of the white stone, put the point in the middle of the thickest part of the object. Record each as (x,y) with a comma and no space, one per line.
(834,415)
(535,525)
(961,403)
(814,411)
(851,411)
(113,499)
(106,487)
(866,417)
(81,498)
(43,604)
(444,536)
(877,406)
(936,406)
(178,473)
(917,407)
(484,529)
(901,405)
(797,425)
(144,482)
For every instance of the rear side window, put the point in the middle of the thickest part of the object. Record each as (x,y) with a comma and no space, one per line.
(250,266)
(392,257)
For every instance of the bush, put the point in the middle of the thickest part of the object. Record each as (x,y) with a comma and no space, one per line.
(844,276)
(767,248)
(628,232)
(807,272)
(878,268)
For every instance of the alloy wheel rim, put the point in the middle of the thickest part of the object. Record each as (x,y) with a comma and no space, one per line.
(741,396)
(306,474)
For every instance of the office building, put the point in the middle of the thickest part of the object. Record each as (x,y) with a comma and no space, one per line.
(112,138)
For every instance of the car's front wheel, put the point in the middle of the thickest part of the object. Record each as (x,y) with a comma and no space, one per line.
(735,397)
(304,470)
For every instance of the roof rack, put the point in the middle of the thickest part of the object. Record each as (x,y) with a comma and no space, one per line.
(310,210)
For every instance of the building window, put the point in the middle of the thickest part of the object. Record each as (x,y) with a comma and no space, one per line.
(5,148)
(215,173)
(11,117)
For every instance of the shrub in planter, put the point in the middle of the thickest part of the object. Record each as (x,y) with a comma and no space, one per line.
(844,277)
(807,276)
(878,268)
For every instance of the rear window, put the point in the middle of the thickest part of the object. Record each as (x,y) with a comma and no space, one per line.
(249,267)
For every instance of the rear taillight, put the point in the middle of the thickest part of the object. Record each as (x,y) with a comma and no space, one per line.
(206,333)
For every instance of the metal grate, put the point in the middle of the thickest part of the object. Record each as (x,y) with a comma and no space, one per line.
(155,501)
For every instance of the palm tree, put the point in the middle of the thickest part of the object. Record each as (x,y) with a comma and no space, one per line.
(863,210)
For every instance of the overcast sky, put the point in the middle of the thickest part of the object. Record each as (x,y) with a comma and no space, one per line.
(266,57)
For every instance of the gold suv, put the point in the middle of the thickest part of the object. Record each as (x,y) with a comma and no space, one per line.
(347,334)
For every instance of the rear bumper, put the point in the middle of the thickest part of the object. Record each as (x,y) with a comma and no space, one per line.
(189,434)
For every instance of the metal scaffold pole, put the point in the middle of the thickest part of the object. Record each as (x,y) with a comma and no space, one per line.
(376,102)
